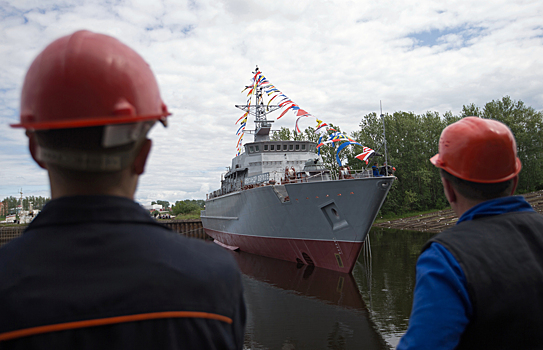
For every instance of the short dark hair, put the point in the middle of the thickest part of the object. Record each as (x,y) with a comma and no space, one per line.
(479,191)
(83,139)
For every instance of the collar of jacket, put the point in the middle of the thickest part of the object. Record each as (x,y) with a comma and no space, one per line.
(496,206)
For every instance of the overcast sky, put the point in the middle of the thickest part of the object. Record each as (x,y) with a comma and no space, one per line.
(335,59)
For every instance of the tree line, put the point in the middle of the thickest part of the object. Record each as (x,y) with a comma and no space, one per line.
(10,204)
(412,139)
(187,206)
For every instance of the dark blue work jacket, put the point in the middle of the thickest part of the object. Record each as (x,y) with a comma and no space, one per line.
(97,272)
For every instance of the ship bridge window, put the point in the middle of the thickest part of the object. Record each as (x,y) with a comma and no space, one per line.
(303,147)
(265,147)
(290,147)
(284,147)
(272,147)
(278,147)
(257,148)
(251,149)
(297,147)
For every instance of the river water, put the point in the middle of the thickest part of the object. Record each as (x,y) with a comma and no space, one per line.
(292,306)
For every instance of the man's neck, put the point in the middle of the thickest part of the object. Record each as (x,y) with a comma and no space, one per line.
(121,186)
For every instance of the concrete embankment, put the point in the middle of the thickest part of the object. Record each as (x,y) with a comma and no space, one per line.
(441,220)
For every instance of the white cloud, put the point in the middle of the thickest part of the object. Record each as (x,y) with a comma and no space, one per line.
(336,59)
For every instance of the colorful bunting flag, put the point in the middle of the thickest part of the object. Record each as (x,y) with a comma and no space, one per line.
(322,129)
(365,155)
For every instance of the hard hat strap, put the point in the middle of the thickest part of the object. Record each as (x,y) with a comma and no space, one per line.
(121,134)
(83,161)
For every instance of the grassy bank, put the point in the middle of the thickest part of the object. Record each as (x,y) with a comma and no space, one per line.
(390,217)
(379,219)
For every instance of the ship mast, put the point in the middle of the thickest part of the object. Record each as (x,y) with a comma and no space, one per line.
(259,111)
(384,139)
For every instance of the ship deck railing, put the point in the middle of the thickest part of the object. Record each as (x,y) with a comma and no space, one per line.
(322,176)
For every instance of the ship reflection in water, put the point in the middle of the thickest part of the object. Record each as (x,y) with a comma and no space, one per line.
(292,306)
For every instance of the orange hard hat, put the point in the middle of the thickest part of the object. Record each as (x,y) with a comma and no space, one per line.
(87,79)
(478,150)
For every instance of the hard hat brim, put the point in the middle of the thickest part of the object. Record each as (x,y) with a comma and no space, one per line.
(437,162)
(83,123)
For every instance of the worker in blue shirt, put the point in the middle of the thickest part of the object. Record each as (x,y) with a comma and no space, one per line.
(375,170)
(479,284)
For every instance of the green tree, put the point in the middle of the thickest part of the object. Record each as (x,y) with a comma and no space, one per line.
(470,110)
(165,204)
(188,206)
(283,134)
(11,203)
(413,139)
(527,126)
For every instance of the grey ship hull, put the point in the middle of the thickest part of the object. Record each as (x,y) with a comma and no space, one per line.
(321,223)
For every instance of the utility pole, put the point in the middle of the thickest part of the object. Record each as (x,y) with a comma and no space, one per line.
(21,200)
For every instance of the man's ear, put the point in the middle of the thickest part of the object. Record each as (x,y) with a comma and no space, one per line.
(449,190)
(33,147)
(141,157)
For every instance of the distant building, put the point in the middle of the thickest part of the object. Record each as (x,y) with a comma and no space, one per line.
(163,213)
(153,207)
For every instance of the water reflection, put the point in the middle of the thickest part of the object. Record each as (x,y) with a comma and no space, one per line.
(302,307)
(386,281)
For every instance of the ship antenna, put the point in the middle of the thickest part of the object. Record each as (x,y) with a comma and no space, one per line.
(259,111)
(384,137)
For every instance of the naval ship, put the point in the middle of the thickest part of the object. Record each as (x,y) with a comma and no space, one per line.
(277,199)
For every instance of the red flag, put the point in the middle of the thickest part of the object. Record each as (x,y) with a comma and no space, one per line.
(367,152)
(286,110)
(301,112)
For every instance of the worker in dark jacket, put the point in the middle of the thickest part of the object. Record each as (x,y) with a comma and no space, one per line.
(94,270)
(480,283)
(386,170)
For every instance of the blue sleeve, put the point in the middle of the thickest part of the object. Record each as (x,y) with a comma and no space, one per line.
(441,306)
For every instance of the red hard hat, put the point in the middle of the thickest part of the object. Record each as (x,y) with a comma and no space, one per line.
(478,150)
(88,79)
